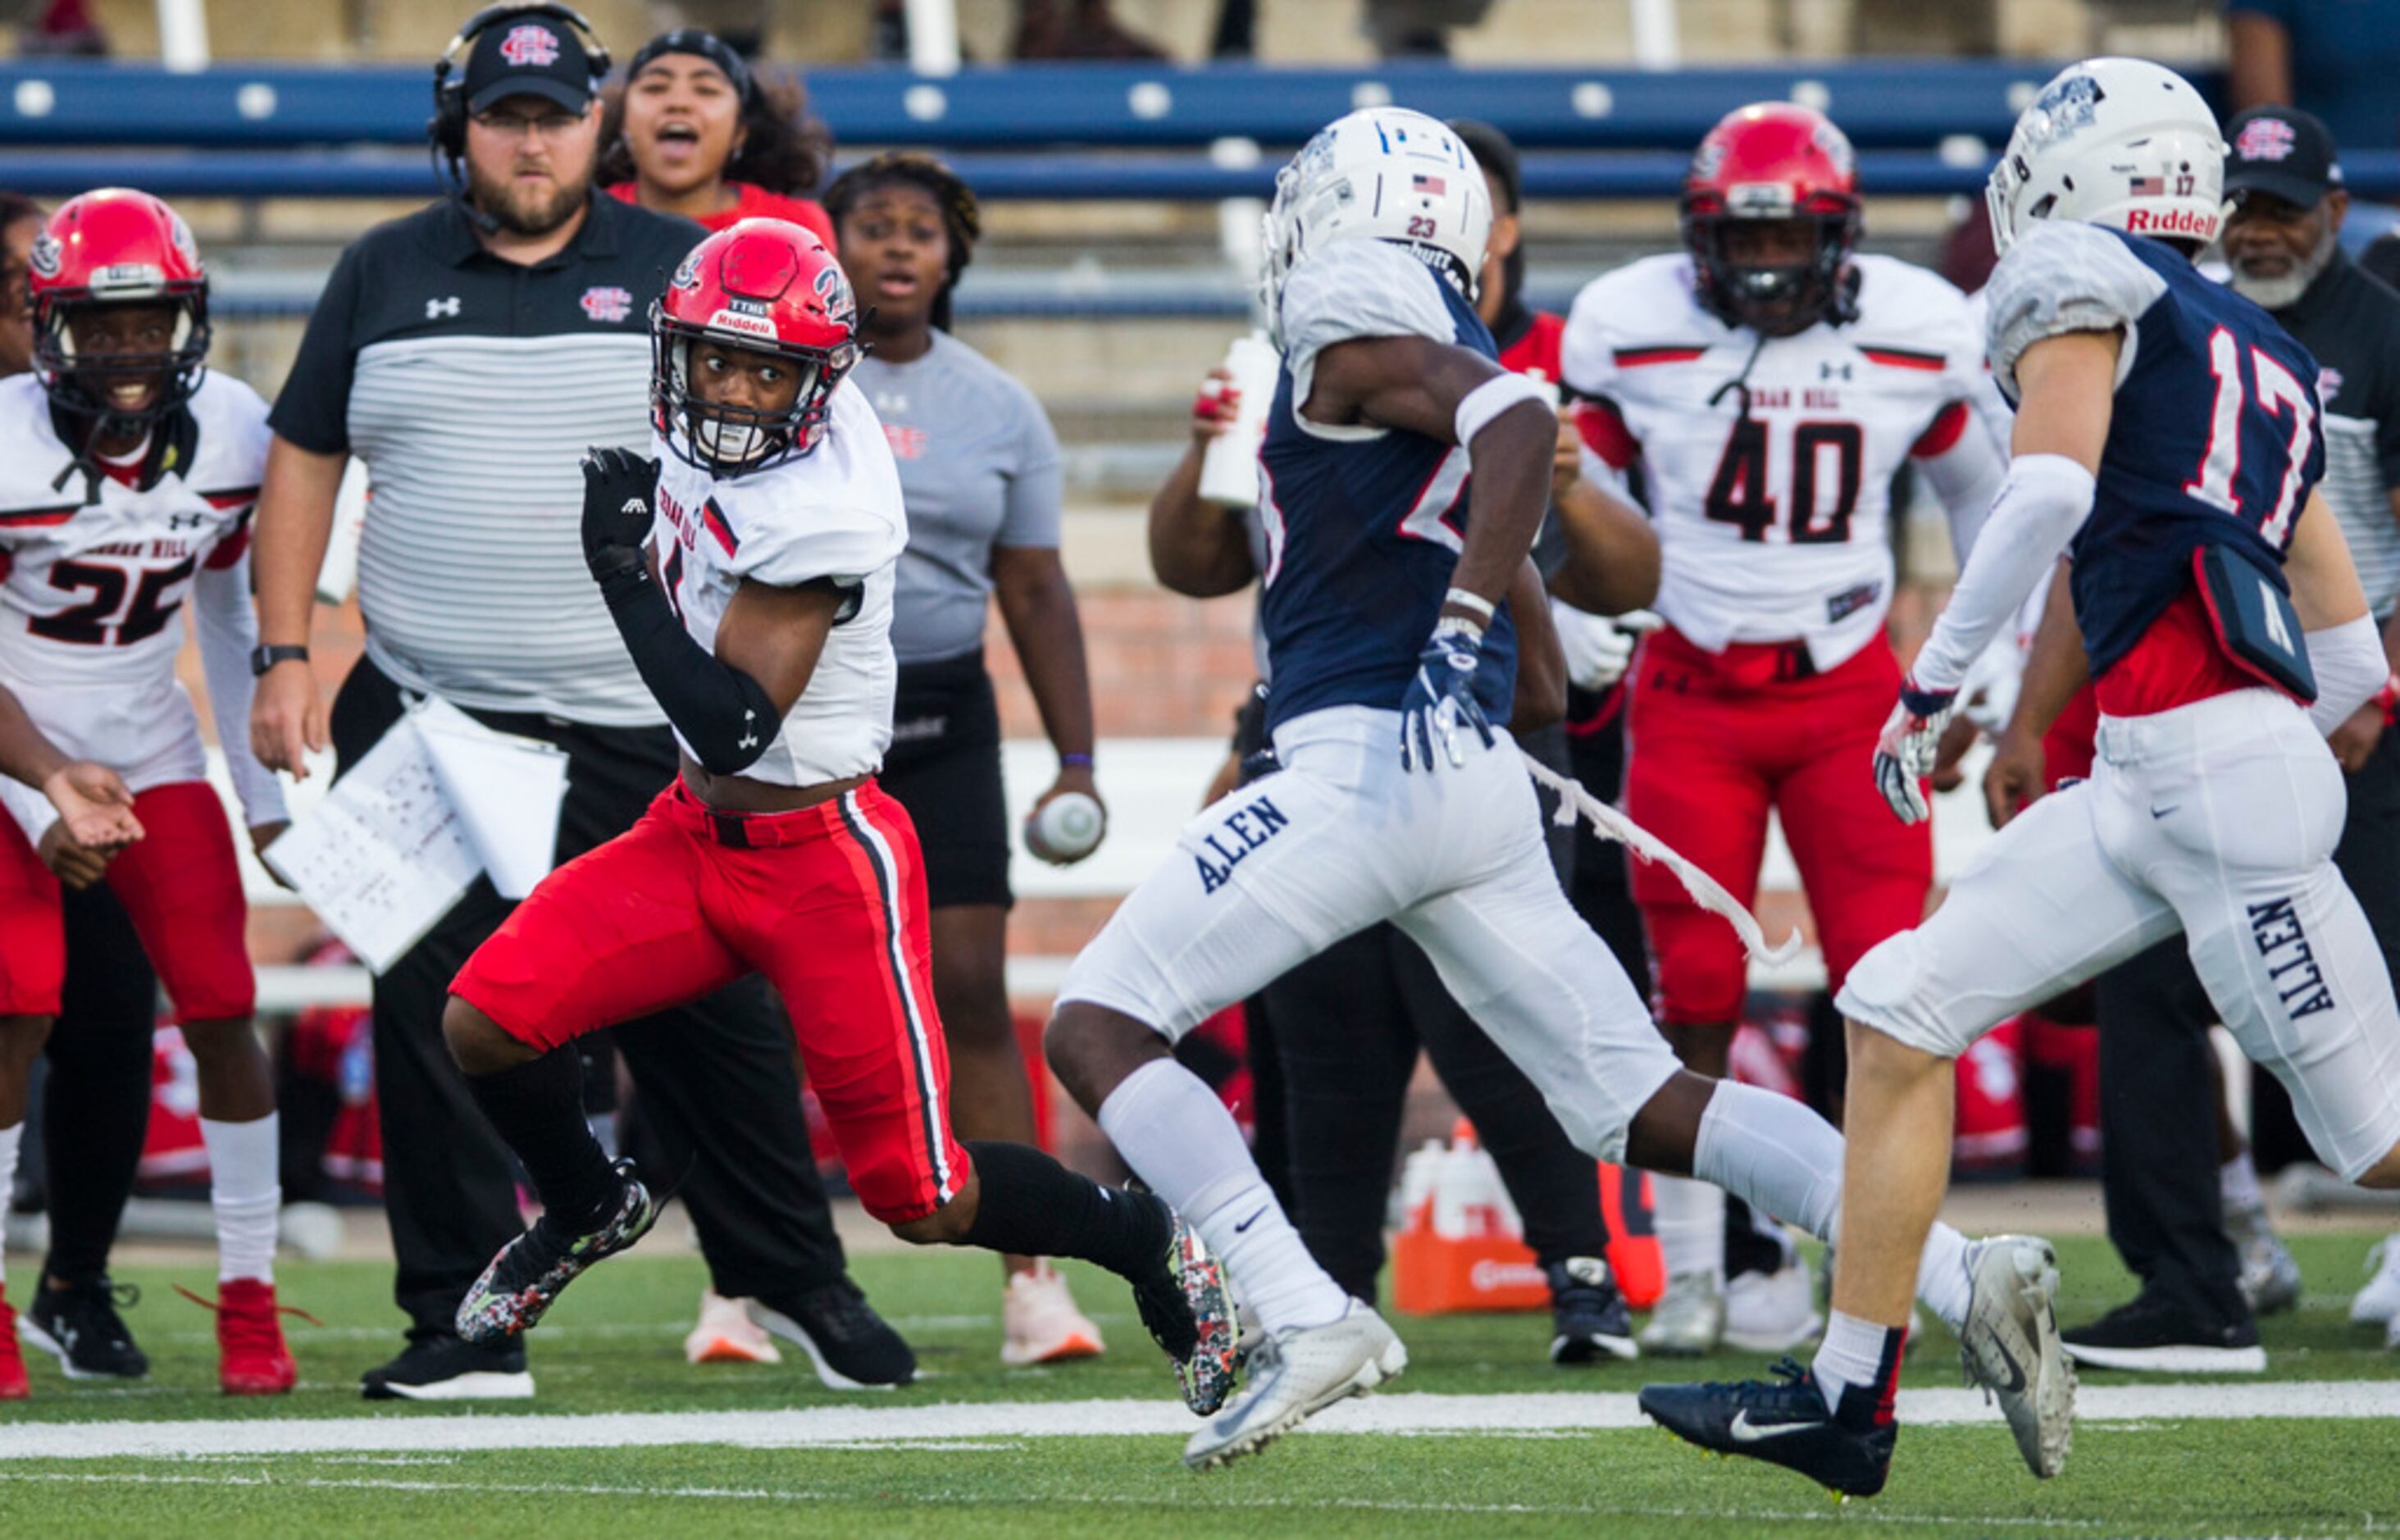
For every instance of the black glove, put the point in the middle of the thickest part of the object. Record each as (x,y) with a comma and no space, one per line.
(619,488)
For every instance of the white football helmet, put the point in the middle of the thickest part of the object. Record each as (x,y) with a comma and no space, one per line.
(2116,142)
(1384,174)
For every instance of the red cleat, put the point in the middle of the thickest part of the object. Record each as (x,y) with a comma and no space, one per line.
(252,1359)
(13,1384)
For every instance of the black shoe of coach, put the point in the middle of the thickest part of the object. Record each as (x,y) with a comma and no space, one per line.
(445,1369)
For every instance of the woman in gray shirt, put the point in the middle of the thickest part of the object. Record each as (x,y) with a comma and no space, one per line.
(979,470)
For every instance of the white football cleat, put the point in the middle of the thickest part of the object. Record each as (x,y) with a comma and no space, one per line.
(727,1335)
(1771,1312)
(2009,1346)
(1688,1320)
(1042,1323)
(1292,1376)
(2379,1303)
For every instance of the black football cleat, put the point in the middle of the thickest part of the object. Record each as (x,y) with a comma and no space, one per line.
(1587,1317)
(531,1271)
(79,1325)
(1785,1422)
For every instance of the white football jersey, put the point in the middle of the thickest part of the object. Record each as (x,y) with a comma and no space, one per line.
(834,513)
(91,590)
(1776,529)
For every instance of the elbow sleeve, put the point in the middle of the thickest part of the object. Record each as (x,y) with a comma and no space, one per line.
(2349,666)
(725,717)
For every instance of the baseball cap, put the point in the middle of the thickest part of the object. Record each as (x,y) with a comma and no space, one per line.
(2282,151)
(532,55)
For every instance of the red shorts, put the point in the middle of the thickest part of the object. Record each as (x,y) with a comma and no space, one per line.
(829,902)
(180,884)
(1714,740)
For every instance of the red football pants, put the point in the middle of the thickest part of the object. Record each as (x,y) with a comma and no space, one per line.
(181,886)
(829,902)
(1714,741)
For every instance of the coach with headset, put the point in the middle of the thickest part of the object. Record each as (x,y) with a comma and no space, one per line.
(469,353)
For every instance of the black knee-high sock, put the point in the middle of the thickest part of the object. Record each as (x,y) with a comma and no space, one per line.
(537,1107)
(1033,1206)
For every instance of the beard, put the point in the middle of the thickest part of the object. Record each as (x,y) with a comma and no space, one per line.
(2284,289)
(522,211)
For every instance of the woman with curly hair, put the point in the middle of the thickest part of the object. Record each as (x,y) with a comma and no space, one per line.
(693,132)
(980,474)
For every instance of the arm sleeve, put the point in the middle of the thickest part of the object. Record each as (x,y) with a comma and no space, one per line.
(2045,499)
(32,810)
(313,409)
(229,630)
(1356,289)
(1036,484)
(2059,277)
(2349,666)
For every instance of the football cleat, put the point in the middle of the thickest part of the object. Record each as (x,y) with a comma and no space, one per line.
(2009,1346)
(80,1326)
(1784,1421)
(2379,1303)
(1771,1312)
(1293,1375)
(526,1279)
(848,1343)
(252,1357)
(2270,1275)
(727,1335)
(1587,1316)
(1688,1320)
(14,1386)
(1189,1314)
(1040,1323)
(444,1368)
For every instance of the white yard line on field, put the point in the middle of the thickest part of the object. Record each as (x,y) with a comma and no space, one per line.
(1404,1413)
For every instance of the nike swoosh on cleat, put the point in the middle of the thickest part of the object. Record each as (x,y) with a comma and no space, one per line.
(2017,1372)
(2162,813)
(1744,1431)
(1245,1225)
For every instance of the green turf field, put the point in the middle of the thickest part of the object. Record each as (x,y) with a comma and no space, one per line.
(614,1347)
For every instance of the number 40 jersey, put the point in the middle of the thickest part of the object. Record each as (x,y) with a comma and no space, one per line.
(1767,463)
(91,586)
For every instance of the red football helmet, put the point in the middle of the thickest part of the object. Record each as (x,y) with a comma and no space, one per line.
(761,286)
(1773,160)
(117,246)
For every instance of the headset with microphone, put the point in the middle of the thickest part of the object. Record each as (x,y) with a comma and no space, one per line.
(445,131)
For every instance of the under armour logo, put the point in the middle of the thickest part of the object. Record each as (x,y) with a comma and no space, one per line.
(635,505)
(437,308)
(749,729)
(186,520)
(1832,371)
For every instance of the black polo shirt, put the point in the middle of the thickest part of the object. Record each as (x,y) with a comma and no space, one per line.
(472,386)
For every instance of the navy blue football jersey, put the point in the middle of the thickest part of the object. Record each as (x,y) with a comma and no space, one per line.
(1364,524)
(2214,440)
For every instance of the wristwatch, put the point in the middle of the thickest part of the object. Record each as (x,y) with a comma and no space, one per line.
(265,658)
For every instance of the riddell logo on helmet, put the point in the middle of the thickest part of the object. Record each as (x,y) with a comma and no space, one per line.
(2170,221)
(734,320)
(529,47)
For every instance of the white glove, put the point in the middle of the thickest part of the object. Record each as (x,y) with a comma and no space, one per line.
(1987,697)
(1599,649)
(1905,750)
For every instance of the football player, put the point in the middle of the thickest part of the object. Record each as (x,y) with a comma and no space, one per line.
(761,620)
(126,487)
(1770,381)
(2166,436)
(1392,655)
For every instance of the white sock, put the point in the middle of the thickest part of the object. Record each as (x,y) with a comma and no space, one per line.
(247,1192)
(1689,1217)
(1784,1158)
(1854,1353)
(9,1139)
(2237,1184)
(1178,1139)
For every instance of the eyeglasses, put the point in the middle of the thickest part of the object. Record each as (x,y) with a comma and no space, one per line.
(514,125)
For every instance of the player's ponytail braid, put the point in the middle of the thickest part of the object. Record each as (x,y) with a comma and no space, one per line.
(961,216)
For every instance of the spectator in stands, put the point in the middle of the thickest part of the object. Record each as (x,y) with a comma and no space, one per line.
(693,132)
(979,470)
(470,353)
(95,1102)
(1419,29)
(2334,58)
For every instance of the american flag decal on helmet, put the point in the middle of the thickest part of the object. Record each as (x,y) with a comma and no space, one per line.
(1431,185)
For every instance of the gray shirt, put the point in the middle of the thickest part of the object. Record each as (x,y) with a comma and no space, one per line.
(978,469)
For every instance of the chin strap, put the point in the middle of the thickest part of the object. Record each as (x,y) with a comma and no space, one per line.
(1578,805)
